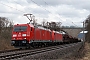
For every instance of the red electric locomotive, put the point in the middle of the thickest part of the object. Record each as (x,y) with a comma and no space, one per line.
(24,35)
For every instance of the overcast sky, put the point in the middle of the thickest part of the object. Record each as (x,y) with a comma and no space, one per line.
(69,12)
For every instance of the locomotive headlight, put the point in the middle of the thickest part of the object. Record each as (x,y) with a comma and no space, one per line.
(14,35)
(23,41)
(23,34)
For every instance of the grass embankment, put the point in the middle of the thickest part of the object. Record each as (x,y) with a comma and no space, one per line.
(87,52)
(82,54)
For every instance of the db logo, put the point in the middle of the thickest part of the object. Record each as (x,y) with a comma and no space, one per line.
(19,33)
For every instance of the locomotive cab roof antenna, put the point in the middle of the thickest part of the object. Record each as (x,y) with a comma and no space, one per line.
(30,19)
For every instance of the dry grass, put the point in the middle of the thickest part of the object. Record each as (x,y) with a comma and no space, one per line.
(83,54)
(5,39)
(5,45)
(87,52)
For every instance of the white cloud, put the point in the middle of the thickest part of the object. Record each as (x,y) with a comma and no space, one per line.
(65,11)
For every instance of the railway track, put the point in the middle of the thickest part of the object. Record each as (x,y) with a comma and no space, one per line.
(9,50)
(22,53)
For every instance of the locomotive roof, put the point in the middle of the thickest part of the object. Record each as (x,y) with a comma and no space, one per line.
(24,25)
(40,27)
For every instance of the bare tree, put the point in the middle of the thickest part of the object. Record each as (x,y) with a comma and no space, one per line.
(5,26)
(2,21)
(88,28)
(52,25)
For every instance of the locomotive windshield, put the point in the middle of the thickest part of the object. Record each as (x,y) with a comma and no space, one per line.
(20,28)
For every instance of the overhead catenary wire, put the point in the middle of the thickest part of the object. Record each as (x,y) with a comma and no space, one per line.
(12,7)
(74,24)
(48,4)
(23,11)
(21,5)
(45,2)
(33,2)
(37,5)
(58,13)
(40,6)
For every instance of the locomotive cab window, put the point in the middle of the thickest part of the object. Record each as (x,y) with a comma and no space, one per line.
(20,28)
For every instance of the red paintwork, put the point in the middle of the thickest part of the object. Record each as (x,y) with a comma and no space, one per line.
(48,35)
(36,34)
(58,36)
